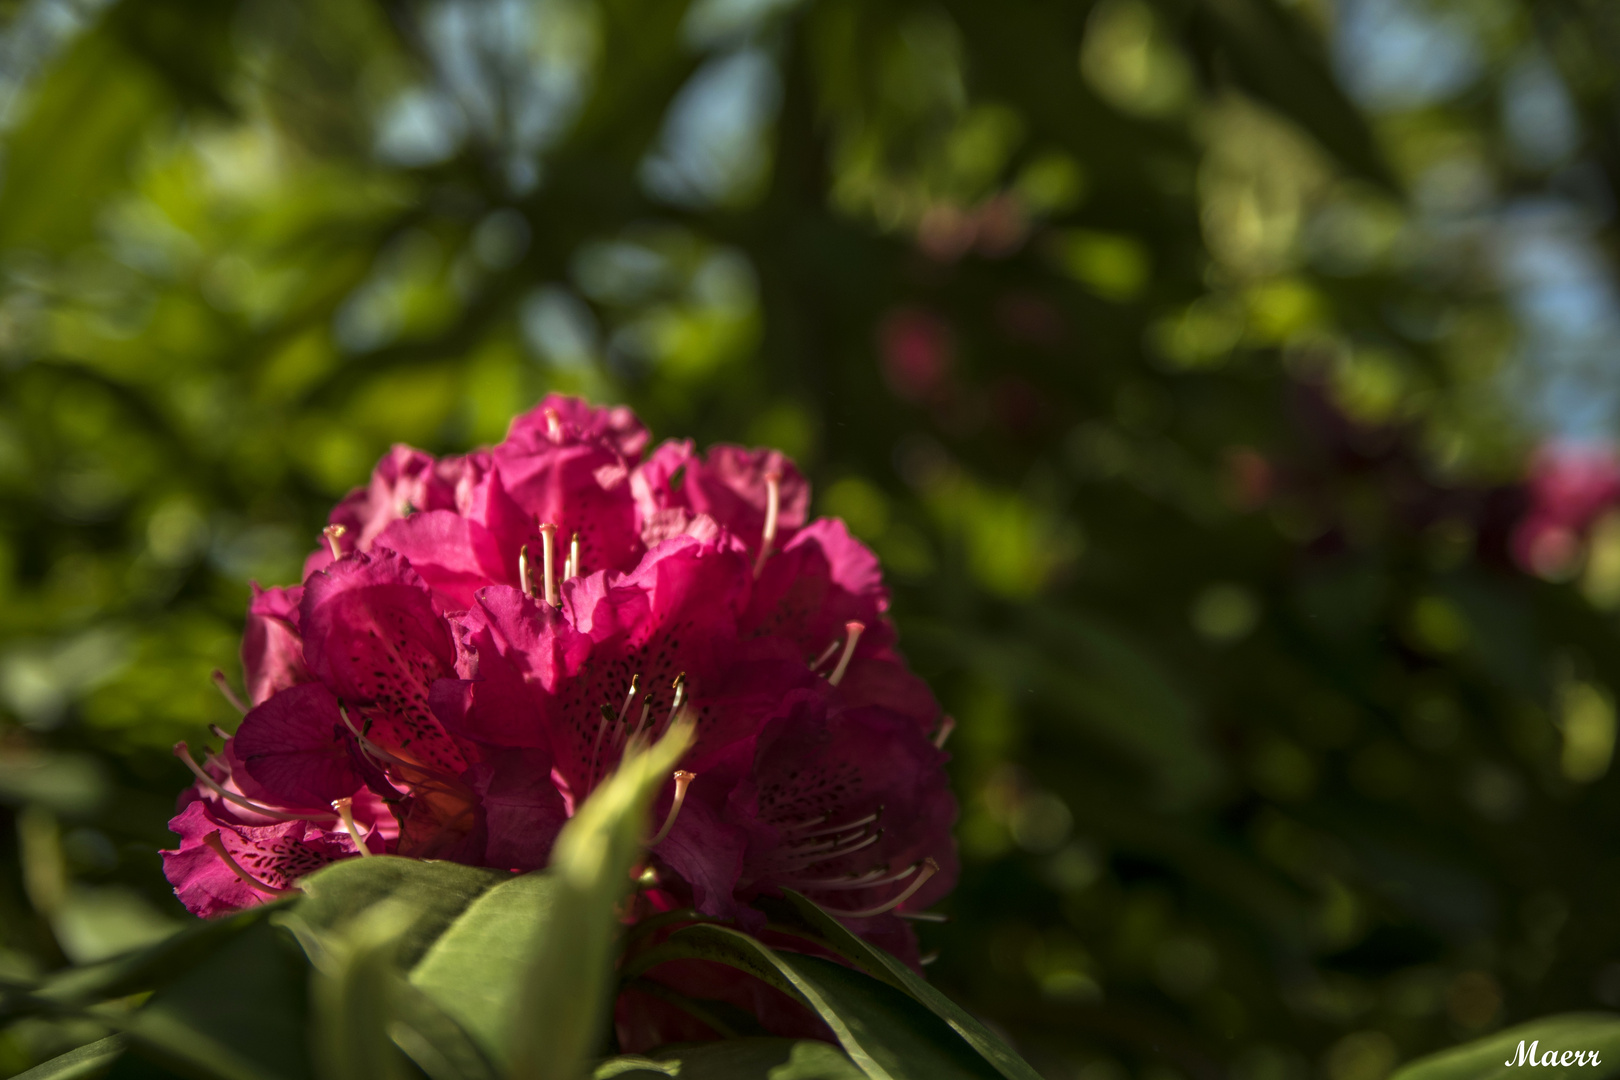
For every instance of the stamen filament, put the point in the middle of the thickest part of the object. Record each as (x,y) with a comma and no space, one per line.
(573,558)
(794,826)
(641,725)
(345,809)
(820,855)
(845,827)
(553,425)
(333,534)
(856,629)
(183,752)
(230,695)
(844,837)
(927,958)
(929,869)
(924,916)
(219,732)
(217,846)
(946,726)
(635,685)
(524,578)
(683,780)
(826,654)
(548,540)
(773,506)
(869,880)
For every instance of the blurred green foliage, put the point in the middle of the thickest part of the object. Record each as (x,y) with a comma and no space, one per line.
(1182,393)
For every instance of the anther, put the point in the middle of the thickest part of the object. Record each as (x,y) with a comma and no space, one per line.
(230,695)
(635,686)
(217,846)
(333,534)
(183,752)
(929,869)
(219,732)
(548,540)
(946,726)
(856,629)
(773,506)
(345,809)
(523,571)
(683,780)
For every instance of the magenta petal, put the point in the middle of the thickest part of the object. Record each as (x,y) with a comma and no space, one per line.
(291,747)
(404,482)
(559,419)
(272,651)
(729,485)
(455,556)
(371,635)
(523,810)
(275,855)
(822,580)
(581,488)
(705,849)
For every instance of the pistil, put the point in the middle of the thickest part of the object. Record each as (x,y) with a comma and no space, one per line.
(217,846)
(683,780)
(856,629)
(548,540)
(333,534)
(773,506)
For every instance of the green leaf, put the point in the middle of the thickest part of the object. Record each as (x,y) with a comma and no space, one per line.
(1498,1055)
(759,1059)
(240,1015)
(886,1033)
(565,990)
(353,995)
(438,892)
(432,1038)
(880,965)
(475,970)
(85,1061)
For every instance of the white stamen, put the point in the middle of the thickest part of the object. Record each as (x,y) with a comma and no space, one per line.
(924,916)
(333,534)
(819,854)
(869,880)
(856,629)
(683,779)
(946,726)
(929,869)
(573,557)
(345,809)
(826,654)
(183,752)
(773,506)
(524,579)
(230,695)
(927,958)
(845,827)
(217,846)
(635,686)
(553,425)
(548,540)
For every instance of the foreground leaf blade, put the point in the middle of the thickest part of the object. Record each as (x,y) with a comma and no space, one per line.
(1488,1058)
(85,1061)
(565,991)
(881,965)
(886,1034)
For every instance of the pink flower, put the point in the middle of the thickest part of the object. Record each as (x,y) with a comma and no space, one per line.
(480,638)
(1569,488)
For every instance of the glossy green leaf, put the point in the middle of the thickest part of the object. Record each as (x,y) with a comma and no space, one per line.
(238,1016)
(881,965)
(437,892)
(475,970)
(353,993)
(885,1032)
(431,1037)
(91,1059)
(564,1002)
(1505,1053)
(760,1059)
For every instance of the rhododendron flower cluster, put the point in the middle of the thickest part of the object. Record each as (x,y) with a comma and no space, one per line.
(1570,487)
(480,637)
